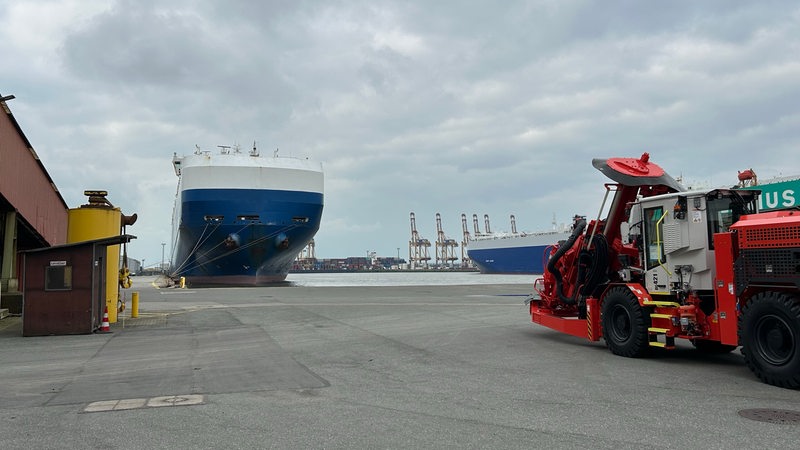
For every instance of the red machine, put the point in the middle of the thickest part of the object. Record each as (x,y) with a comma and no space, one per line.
(669,264)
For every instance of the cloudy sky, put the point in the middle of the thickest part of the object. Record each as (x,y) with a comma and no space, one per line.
(474,107)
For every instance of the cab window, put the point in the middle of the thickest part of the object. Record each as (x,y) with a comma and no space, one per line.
(724,211)
(654,237)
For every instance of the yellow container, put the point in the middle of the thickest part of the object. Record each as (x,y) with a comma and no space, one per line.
(91,222)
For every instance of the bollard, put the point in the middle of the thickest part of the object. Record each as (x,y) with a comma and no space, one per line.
(183,282)
(135,304)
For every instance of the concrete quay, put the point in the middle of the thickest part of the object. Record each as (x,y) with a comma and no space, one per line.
(366,367)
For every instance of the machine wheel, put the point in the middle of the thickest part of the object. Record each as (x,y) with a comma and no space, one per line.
(712,347)
(625,323)
(769,331)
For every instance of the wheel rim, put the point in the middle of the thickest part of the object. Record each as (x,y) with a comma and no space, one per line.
(620,324)
(774,340)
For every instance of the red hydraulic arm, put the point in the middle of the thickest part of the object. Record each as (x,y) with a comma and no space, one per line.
(590,257)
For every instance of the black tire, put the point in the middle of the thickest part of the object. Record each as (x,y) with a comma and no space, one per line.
(769,331)
(713,347)
(625,323)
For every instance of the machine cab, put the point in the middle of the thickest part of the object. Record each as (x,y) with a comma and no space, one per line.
(675,235)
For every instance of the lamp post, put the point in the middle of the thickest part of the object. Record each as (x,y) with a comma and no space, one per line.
(143,267)
(163,244)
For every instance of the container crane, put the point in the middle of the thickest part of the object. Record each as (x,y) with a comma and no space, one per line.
(307,258)
(308,252)
(465,261)
(476,226)
(417,247)
(445,247)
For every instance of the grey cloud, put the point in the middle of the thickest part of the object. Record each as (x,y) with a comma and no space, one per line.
(451,107)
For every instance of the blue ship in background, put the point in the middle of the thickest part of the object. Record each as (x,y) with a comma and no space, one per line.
(514,253)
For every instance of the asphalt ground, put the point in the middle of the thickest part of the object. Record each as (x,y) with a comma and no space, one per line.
(368,367)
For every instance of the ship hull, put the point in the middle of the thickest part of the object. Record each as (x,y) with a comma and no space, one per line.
(244,252)
(514,254)
(237,222)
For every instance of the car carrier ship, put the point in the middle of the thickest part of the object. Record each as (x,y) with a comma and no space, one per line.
(514,253)
(241,218)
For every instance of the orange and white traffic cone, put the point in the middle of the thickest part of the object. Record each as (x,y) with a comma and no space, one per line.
(105,327)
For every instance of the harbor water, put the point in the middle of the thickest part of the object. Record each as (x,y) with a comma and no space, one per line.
(443,278)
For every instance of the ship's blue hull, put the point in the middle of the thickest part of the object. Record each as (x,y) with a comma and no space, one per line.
(242,236)
(513,260)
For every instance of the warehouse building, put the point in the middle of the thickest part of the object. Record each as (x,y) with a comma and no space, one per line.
(33,214)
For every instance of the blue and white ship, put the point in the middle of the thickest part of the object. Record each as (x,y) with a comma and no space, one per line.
(514,253)
(241,218)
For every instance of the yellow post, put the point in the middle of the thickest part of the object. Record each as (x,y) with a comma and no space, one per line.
(135,304)
(183,282)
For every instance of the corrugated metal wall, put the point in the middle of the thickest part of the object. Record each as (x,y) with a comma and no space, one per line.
(26,185)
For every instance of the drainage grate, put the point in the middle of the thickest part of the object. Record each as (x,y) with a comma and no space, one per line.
(144,320)
(780,416)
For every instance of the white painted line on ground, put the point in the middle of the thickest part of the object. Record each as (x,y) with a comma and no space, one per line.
(136,403)
(130,403)
(105,405)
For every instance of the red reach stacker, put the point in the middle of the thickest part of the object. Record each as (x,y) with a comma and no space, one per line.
(667,264)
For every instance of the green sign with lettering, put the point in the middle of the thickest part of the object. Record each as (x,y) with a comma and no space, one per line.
(780,195)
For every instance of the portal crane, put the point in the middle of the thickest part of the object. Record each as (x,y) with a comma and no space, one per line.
(418,255)
(476,226)
(308,251)
(445,247)
(465,261)
(306,258)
